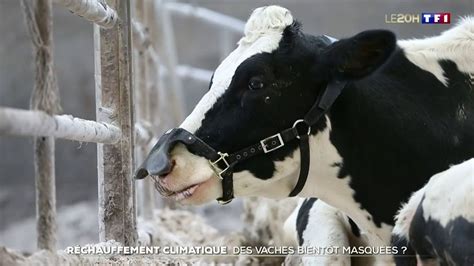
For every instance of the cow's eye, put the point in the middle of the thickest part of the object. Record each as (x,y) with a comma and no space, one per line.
(256,83)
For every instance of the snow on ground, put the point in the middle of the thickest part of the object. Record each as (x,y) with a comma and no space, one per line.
(78,225)
(211,225)
(167,228)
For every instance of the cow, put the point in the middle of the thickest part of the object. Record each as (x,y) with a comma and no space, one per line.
(437,223)
(359,123)
(315,224)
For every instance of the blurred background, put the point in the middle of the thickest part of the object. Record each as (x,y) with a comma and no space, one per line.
(197,44)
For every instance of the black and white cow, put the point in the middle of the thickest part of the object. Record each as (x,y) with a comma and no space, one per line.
(406,113)
(437,223)
(315,224)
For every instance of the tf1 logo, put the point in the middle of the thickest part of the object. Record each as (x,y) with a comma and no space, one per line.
(423,18)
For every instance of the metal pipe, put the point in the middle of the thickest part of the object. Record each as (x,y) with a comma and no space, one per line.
(96,11)
(38,123)
(207,15)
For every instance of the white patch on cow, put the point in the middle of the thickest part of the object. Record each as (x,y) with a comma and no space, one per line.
(338,193)
(449,194)
(264,20)
(191,169)
(322,183)
(405,214)
(325,228)
(289,227)
(263,32)
(277,187)
(456,44)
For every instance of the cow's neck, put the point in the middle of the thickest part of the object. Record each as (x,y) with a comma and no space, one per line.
(386,136)
(324,183)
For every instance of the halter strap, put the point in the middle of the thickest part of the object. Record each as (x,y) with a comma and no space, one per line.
(223,166)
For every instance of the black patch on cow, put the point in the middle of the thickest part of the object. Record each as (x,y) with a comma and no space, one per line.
(342,170)
(302,217)
(394,130)
(354,228)
(450,245)
(403,259)
(240,118)
(356,57)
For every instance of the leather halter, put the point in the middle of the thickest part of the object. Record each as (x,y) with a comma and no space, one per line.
(223,164)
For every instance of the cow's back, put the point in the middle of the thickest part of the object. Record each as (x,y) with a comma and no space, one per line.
(443,225)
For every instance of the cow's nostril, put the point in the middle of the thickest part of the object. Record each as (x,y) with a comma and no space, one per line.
(167,170)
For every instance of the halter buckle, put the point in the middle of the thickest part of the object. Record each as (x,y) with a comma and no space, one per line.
(216,168)
(269,147)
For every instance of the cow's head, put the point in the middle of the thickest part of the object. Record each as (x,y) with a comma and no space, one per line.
(268,82)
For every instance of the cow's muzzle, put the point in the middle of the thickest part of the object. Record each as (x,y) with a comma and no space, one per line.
(158,161)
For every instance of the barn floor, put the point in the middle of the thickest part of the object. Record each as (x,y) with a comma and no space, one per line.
(169,228)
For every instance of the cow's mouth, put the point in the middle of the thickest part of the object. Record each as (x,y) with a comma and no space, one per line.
(182,194)
(176,195)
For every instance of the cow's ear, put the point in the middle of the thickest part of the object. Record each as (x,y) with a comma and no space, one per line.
(360,55)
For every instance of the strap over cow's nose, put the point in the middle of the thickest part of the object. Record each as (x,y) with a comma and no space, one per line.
(158,161)
(157,164)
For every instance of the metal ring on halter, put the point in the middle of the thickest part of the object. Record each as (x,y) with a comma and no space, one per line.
(301,121)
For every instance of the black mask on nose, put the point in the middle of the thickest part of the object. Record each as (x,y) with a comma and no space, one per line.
(158,161)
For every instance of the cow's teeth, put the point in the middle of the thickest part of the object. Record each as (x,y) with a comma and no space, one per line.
(184,193)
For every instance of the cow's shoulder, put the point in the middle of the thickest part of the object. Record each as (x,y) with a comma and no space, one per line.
(454,45)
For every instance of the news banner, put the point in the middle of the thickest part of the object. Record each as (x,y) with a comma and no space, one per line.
(233,251)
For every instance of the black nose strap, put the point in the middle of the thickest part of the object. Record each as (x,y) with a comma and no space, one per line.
(158,161)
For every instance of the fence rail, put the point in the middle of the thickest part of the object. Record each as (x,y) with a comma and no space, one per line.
(207,15)
(38,123)
(195,73)
(125,53)
(114,91)
(96,11)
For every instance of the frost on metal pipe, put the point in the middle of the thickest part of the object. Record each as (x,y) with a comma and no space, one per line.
(45,97)
(96,11)
(113,78)
(171,61)
(38,123)
(195,73)
(144,26)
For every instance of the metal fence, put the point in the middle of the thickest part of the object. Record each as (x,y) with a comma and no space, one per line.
(131,99)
